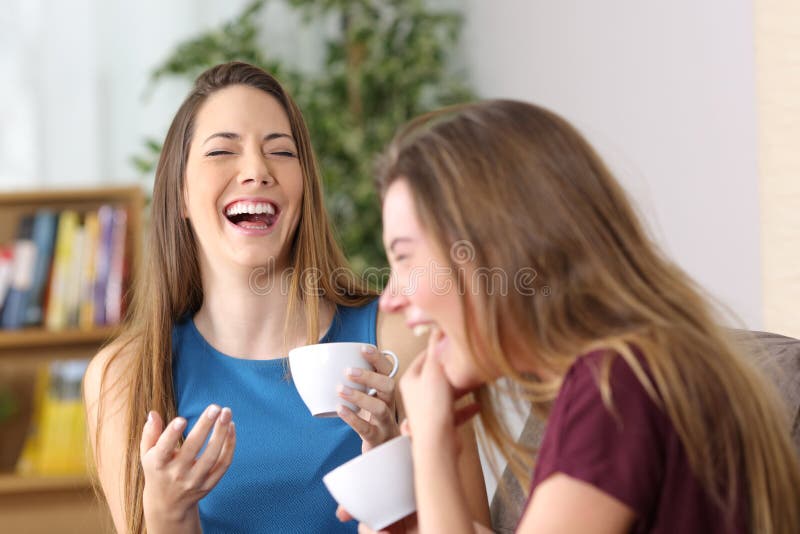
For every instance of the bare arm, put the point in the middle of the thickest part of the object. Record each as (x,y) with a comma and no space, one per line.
(565,505)
(394,335)
(108,449)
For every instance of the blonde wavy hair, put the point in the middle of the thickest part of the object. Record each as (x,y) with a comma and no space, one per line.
(169,287)
(528,192)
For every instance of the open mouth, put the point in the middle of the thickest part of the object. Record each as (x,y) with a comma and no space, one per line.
(252,215)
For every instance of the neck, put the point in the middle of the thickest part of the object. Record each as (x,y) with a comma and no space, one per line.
(244,316)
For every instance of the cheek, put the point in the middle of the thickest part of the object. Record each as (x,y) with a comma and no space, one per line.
(419,291)
(294,184)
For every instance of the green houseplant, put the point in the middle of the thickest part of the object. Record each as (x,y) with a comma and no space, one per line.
(386,63)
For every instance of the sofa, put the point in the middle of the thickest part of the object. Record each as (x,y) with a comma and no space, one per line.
(778,356)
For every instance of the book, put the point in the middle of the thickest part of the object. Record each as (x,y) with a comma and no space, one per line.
(116,272)
(72,295)
(105,219)
(22,277)
(44,237)
(28,461)
(56,312)
(62,448)
(55,444)
(6,272)
(91,226)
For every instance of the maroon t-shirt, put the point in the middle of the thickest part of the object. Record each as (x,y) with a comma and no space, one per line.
(635,457)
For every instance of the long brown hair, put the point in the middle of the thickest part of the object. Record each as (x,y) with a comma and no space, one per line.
(170,288)
(529,195)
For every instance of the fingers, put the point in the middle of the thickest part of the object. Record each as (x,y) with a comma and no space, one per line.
(380,409)
(382,384)
(363,428)
(164,449)
(433,349)
(415,368)
(211,454)
(224,460)
(405,427)
(152,430)
(380,362)
(197,437)
(343,515)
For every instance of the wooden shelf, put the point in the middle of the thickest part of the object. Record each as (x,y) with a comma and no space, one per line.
(45,197)
(38,337)
(16,484)
(44,504)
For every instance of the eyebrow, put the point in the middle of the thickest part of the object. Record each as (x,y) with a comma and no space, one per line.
(235,136)
(397,240)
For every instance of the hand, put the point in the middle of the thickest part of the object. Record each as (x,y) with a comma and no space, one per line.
(175,477)
(430,400)
(375,421)
(407,525)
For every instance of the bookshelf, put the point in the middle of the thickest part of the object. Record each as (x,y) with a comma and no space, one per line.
(52,503)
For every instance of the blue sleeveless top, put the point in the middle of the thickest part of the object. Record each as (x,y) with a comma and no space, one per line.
(274,483)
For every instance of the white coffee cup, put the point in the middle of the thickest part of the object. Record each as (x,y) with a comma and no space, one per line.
(376,488)
(318,369)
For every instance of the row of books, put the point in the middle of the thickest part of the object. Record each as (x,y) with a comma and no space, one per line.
(56,439)
(64,270)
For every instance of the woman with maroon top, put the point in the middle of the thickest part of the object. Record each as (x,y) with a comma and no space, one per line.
(513,244)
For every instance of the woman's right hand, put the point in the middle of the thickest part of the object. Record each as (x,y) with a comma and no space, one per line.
(175,478)
(407,525)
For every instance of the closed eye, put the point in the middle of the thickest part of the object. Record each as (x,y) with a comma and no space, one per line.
(284,153)
(218,153)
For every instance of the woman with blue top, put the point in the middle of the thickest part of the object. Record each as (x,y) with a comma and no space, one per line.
(194,422)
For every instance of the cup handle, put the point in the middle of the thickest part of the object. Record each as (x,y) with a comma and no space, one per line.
(395,366)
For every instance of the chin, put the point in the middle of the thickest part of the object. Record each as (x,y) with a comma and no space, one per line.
(461,378)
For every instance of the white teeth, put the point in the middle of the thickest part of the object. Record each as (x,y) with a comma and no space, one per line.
(248,207)
(421,330)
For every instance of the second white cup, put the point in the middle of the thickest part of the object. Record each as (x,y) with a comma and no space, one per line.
(318,369)
(376,488)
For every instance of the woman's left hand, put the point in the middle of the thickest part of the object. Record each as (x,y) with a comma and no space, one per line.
(432,405)
(376,420)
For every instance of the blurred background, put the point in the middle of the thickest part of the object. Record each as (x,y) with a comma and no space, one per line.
(694,105)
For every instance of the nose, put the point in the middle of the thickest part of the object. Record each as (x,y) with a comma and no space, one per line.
(255,170)
(393,300)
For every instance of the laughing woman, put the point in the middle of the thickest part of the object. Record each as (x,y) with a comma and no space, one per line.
(241,267)
(654,422)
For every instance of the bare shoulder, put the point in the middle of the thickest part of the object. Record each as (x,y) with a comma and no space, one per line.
(394,335)
(105,377)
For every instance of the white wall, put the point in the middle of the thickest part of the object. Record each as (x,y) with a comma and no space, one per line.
(665,91)
(75,102)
